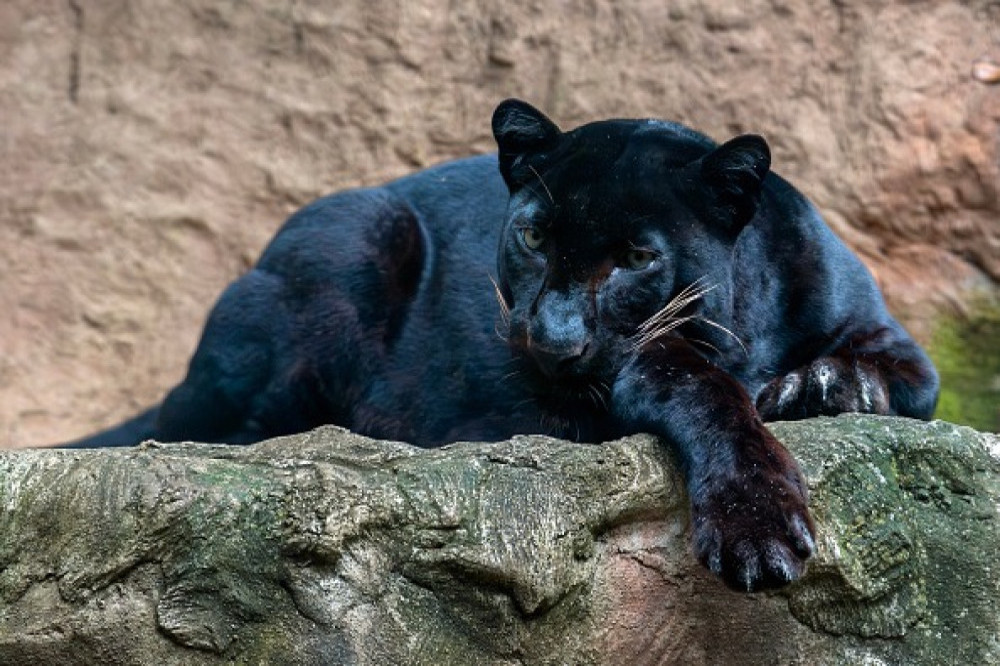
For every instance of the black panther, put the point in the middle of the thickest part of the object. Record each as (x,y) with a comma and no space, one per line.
(626,276)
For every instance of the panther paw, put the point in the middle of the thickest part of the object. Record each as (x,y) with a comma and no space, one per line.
(827,386)
(754,532)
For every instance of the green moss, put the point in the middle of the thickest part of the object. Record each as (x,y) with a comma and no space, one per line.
(966,351)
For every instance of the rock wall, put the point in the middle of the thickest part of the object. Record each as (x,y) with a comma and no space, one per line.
(327,548)
(151,147)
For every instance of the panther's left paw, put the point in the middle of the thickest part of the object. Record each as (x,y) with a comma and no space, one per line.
(827,386)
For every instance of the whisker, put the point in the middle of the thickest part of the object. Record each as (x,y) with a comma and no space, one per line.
(590,394)
(521,403)
(547,191)
(504,334)
(645,337)
(510,375)
(504,307)
(663,327)
(598,397)
(663,319)
(666,319)
(685,297)
(641,218)
(704,344)
(727,331)
(534,190)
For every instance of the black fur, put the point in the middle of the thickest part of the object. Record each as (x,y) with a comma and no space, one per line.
(374,309)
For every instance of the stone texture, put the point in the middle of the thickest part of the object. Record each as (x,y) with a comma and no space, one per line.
(330,548)
(150,148)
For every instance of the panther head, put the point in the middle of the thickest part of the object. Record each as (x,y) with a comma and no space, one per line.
(616,232)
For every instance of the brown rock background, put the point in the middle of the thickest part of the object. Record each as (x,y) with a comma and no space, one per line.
(150,148)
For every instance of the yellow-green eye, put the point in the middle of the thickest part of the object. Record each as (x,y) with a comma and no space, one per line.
(637,259)
(533,238)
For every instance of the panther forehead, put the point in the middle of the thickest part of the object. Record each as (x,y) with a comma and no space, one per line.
(598,210)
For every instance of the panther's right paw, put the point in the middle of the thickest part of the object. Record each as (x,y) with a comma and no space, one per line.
(754,529)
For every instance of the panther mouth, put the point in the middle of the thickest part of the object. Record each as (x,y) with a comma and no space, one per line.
(579,389)
(566,379)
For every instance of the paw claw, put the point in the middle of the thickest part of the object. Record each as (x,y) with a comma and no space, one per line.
(750,570)
(784,565)
(802,535)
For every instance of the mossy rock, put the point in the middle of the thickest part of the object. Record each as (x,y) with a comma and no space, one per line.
(329,548)
(966,351)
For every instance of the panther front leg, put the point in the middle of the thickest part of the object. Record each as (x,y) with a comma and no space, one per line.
(749,517)
(883,372)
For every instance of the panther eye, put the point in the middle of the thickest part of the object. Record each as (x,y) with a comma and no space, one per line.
(532,237)
(637,259)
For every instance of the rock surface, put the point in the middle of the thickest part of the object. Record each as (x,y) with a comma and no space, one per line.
(150,148)
(330,548)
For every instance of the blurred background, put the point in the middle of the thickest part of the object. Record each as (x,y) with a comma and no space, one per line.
(150,148)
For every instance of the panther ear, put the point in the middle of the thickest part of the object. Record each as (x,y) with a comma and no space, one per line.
(735,171)
(521,129)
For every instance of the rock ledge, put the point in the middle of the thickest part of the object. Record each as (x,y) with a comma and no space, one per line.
(331,548)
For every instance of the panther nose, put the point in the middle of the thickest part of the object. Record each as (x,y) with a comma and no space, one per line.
(558,360)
